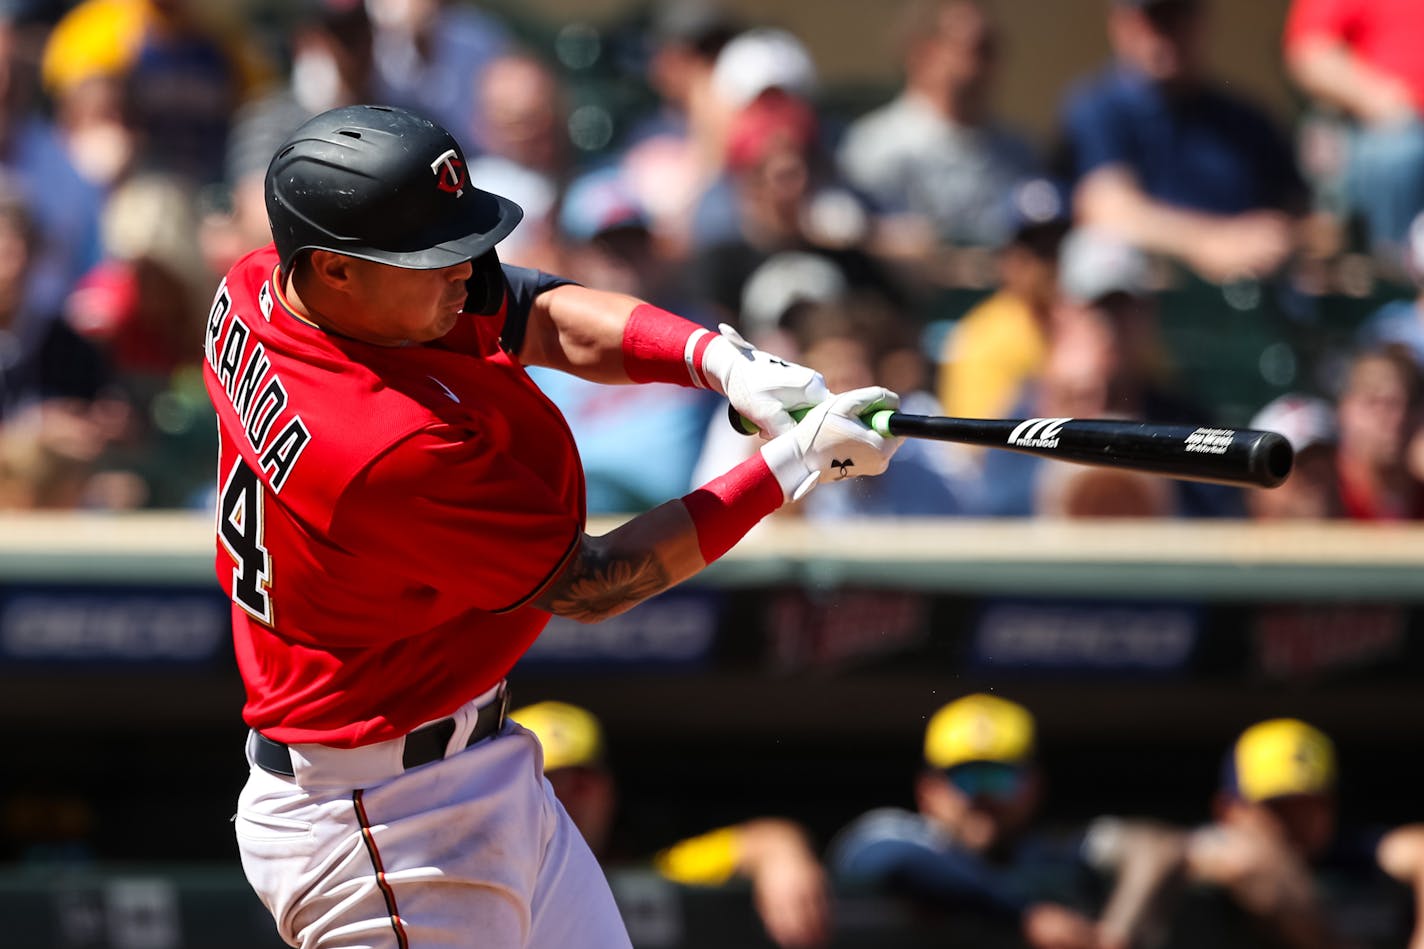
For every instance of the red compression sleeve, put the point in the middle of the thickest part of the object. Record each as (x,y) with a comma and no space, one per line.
(659,346)
(728,506)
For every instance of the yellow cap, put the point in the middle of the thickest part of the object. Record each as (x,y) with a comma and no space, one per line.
(571,736)
(96,38)
(1283,756)
(979,728)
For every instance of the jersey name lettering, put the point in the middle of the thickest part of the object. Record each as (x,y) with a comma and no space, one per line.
(256,392)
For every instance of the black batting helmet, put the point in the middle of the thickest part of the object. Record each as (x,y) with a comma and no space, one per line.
(382,184)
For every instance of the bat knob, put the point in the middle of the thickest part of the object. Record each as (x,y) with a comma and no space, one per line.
(740,424)
(1270,459)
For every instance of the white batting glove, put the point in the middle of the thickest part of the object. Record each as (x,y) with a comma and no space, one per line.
(831,443)
(762,387)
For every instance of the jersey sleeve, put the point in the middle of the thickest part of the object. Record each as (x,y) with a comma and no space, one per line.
(889,851)
(446,510)
(522,285)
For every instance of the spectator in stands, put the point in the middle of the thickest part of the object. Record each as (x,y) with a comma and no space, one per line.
(678,153)
(999,346)
(608,240)
(1166,159)
(789,886)
(63,204)
(41,357)
(185,74)
(526,158)
(1401,322)
(1267,852)
(935,160)
(95,120)
(1360,57)
(143,306)
(784,201)
(967,848)
(757,68)
(1105,359)
(52,429)
(331,65)
(1312,491)
(428,54)
(1378,412)
(776,291)
(144,302)
(608,244)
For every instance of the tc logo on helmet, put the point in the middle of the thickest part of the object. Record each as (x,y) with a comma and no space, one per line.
(449,173)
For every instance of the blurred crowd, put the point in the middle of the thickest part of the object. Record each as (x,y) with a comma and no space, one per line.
(134,135)
(1268,862)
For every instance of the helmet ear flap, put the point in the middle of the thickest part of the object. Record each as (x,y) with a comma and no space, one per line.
(485,287)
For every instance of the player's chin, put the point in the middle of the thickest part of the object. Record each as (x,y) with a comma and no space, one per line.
(441,323)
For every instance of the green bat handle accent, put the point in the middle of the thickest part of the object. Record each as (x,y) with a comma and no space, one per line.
(877,419)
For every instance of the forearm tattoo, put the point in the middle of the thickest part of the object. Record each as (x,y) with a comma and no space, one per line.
(599,583)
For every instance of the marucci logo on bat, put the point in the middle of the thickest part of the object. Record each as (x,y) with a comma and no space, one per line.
(1037,432)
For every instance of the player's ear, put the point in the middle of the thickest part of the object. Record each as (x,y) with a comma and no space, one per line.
(331,269)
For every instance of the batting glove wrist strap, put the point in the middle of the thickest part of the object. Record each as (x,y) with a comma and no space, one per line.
(659,346)
(762,387)
(725,508)
(831,443)
(789,467)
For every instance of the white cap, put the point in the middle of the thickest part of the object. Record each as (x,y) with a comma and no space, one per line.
(760,59)
(1304,420)
(1093,264)
(783,280)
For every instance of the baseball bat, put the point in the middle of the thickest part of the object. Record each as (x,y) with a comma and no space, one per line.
(1235,456)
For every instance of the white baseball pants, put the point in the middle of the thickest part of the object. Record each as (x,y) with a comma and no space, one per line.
(470,851)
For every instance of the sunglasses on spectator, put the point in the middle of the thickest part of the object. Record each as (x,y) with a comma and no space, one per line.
(987,779)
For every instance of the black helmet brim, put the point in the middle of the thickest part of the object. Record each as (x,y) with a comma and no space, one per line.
(490,219)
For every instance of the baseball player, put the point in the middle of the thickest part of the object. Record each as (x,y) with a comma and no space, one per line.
(399,512)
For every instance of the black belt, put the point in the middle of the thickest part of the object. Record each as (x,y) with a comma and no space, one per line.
(422,746)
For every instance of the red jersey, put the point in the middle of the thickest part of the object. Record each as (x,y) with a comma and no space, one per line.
(384,515)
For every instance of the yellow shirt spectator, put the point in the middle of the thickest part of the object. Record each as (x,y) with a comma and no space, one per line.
(988,356)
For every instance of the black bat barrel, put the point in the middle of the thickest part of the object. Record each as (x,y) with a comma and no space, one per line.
(1244,457)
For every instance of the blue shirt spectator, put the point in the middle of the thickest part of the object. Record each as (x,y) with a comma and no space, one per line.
(900,849)
(1168,160)
(1203,150)
(968,849)
(65,207)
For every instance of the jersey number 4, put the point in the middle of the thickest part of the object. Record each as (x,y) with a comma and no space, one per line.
(240,510)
